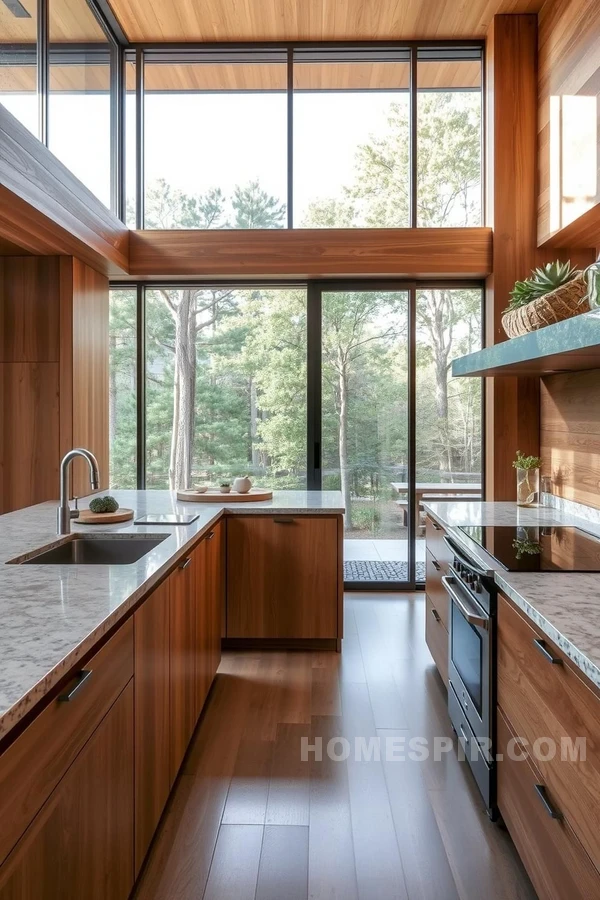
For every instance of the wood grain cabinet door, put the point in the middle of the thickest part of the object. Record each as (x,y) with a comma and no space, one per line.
(282,577)
(152,716)
(183,640)
(210,599)
(81,842)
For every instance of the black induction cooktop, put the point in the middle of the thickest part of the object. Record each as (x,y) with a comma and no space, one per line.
(527,548)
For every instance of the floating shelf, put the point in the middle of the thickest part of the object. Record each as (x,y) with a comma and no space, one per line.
(568,346)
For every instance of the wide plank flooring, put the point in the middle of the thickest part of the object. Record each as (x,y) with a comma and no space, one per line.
(249,820)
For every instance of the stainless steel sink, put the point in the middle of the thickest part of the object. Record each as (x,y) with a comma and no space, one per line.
(96,550)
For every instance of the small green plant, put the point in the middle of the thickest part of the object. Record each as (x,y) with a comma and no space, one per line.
(106,504)
(531,548)
(225,484)
(526,462)
(540,282)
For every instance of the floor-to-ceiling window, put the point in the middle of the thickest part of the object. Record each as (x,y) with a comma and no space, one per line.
(340,386)
(19,61)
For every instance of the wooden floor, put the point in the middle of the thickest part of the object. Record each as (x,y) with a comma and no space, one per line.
(249,819)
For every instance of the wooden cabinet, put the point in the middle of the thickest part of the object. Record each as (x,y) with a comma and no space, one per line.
(436,637)
(282,577)
(556,862)
(543,695)
(209,593)
(152,716)
(32,766)
(81,842)
(438,557)
(182,653)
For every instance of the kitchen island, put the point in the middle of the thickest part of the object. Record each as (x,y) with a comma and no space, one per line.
(106,667)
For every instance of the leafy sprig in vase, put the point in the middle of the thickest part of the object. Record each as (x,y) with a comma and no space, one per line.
(528,479)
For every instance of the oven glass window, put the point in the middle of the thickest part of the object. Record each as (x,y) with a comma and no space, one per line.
(467,652)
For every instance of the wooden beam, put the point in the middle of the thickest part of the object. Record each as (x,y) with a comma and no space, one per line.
(312,253)
(583,232)
(46,210)
(512,404)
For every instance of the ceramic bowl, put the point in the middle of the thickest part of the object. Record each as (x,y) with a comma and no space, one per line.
(225,490)
(199,489)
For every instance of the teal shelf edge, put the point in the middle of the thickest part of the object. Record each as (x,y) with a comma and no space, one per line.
(571,345)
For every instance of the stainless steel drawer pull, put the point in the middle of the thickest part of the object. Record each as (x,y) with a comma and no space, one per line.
(80,680)
(541,645)
(283,520)
(185,563)
(464,733)
(436,565)
(542,793)
(435,615)
(210,535)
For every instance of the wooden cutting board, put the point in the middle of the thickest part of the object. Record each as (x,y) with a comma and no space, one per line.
(232,497)
(87,517)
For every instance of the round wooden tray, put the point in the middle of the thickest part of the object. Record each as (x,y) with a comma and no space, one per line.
(87,517)
(217,497)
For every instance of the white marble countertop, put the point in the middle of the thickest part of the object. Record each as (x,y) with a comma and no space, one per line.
(52,615)
(565,606)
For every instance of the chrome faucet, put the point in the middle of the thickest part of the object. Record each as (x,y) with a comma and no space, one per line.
(64,511)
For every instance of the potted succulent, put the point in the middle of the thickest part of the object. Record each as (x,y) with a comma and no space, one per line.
(552,293)
(528,479)
(225,487)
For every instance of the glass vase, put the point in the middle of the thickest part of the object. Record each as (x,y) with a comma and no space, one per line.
(528,487)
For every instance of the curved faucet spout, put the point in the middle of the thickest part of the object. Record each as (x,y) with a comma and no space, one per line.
(65,513)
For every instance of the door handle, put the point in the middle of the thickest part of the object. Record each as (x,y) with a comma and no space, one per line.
(435,614)
(436,526)
(468,614)
(283,520)
(79,681)
(210,535)
(540,643)
(436,565)
(185,563)
(542,793)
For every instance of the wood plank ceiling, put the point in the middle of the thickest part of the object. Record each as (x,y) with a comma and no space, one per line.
(310,20)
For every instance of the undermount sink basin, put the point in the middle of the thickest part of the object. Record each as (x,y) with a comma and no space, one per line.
(95,550)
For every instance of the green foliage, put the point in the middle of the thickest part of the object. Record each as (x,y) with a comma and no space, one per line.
(105,504)
(526,547)
(526,462)
(540,282)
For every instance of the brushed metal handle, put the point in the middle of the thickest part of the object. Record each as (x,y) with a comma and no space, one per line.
(185,563)
(435,614)
(436,565)
(79,681)
(464,733)
(436,526)
(540,643)
(283,520)
(542,793)
(468,614)
(210,535)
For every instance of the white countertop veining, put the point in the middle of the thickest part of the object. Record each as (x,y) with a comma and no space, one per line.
(565,606)
(52,615)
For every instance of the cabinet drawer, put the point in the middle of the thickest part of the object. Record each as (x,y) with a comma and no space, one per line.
(436,637)
(434,587)
(556,862)
(434,535)
(545,699)
(32,766)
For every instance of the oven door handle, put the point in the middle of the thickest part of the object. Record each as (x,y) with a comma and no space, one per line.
(472,617)
(462,558)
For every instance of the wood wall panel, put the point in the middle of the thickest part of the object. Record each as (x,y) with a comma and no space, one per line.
(29,399)
(569,137)
(29,320)
(570,434)
(84,370)
(304,253)
(512,404)
(46,210)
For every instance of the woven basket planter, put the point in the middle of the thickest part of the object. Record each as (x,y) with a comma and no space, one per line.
(565,302)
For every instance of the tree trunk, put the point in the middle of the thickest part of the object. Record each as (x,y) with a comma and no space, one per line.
(184,392)
(343,445)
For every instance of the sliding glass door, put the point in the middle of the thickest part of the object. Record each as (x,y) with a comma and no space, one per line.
(365,386)
(337,386)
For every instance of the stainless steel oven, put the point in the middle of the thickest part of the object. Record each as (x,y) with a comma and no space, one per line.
(472,615)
